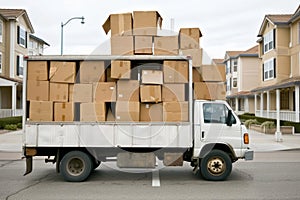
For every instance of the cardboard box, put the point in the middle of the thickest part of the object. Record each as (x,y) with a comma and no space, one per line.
(176,71)
(189,38)
(119,24)
(64,112)
(128,90)
(37,90)
(108,76)
(196,55)
(127,111)
(37,70)
(166,45)
(104,92)
(151,112)
(209,91)
(59,92)
(143,45)
(71,92)
(41,111)
(145,22)
(120,69)
(213,73)
(152,77)
(175,111)
(92,112)
(150,93)
(197,77)
(173,92)
(62,72)
(92,71)
(122,45)
(83,93)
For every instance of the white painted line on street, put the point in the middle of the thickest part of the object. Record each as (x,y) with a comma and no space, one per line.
(155,179)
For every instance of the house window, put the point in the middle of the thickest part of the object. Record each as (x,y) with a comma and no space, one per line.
(20,65)
(269,41)
(1,31)
(269,69)
(0,62)
(22,37)
(234,82)
(234,65)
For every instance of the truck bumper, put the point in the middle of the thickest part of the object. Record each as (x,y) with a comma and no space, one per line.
(249,155)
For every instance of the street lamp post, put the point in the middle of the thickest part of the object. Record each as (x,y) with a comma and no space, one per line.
(62,31)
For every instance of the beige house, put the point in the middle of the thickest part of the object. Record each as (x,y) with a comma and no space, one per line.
(36,45)
(242,75)
(278,88)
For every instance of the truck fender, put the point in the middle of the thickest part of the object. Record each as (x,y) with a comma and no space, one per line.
(220,146)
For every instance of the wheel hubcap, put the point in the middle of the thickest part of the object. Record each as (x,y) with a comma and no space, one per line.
(216,166)
(75,166)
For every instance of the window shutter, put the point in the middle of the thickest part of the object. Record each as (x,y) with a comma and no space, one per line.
(18,65)
(274,38)
(263,72)
(274,61)
(18,34)
(262,47)
(25,39)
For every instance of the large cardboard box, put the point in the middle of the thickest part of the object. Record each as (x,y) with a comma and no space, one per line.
(128,90)
(71,92)
(196,55)
(152,77)
(127,111)
(146,22)
(105,92)
(93,112)
(150,93)
(197,77)
(37,70)
(119,24)
(166,45)
(213,73)
(62,72)
(120,69)
(143,45)
(41,111)
(173,92)
(189,38)
(83,93)
(64,111)
(209,91)
(151,112)
(37,90)
(59,92)
(176,71)
(175,111)
(122,45)
(92,71)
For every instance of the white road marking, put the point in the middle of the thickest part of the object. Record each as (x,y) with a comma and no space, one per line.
(155,179)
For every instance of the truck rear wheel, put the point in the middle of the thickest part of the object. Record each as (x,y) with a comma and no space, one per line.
(76,166)
(216,166)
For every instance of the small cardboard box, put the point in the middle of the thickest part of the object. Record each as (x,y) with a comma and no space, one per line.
(213,73)
(41,111)
(122,45)
(119,24)
(146,22)
(104,92)
(197,77)
(143,45)
(128,90)
(151,112)
(196,55)
(62,72)
(209,91)
(127,111)
(59,92)
(83,93)
(152,77)
(64,112)
(189,38)
(120,69)
(175,111)
(150,93)
(166,45)
(108,75)
(93,112)
(176,71)
(92,71)
(37,70)
(173,92)
(37,90)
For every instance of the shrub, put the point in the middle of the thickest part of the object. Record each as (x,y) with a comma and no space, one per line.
(250,121)
(9,121)
(11,127)
(19,125)
(268,125)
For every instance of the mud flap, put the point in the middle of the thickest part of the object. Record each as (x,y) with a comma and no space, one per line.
(28,165)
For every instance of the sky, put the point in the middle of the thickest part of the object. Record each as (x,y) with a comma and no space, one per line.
(226,25)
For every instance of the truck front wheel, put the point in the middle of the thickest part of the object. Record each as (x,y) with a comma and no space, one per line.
(216,166)
(76,166)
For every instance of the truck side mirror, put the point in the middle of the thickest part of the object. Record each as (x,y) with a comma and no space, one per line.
(229,118)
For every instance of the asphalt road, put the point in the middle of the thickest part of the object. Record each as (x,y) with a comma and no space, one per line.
(273,175)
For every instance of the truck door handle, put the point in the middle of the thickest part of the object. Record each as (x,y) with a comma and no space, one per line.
(202,134)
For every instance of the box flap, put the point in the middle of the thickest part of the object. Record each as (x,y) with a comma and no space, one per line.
(106,25)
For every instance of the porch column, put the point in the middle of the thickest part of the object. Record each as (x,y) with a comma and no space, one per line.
(255,103)
(246,105)
(297,103)
(268,104)
(261,104)
(14,99)
(278,134)
(236,105)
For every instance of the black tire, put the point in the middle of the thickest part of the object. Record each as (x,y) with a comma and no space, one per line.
(216,166)
(76,166)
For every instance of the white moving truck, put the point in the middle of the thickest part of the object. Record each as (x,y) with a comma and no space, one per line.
(211,138)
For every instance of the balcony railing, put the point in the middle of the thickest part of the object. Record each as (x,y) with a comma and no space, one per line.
(284,115)
(10,112)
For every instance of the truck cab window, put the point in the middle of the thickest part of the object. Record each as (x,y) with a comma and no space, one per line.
(216,113)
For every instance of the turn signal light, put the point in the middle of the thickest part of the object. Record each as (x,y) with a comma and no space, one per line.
(246,138)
